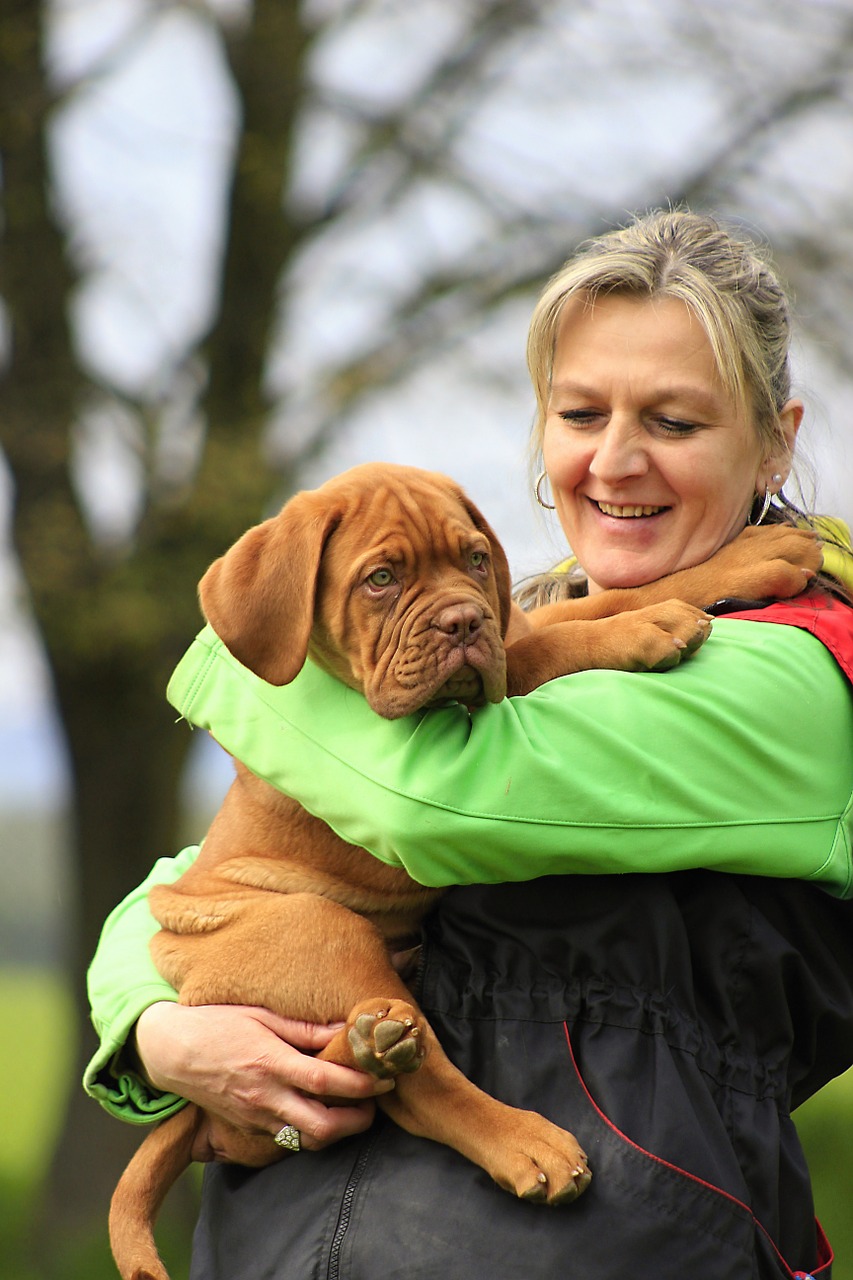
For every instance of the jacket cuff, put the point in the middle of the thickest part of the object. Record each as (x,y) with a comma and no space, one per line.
(114,1078)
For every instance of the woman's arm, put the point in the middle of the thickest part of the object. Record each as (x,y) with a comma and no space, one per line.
(737,760)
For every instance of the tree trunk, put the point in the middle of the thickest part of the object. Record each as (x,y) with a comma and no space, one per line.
(127,758)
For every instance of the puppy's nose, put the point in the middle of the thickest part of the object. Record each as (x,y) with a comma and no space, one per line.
(461,622)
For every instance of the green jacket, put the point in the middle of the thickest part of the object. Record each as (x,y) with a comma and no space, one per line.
(737,761)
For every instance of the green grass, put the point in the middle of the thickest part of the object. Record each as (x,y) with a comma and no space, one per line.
(36,1017)
(36,1022)
(825,1125)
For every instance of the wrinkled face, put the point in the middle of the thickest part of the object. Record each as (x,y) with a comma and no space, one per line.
(408,608)
(652,465)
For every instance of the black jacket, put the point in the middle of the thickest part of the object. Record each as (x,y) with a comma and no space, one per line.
(671,1022)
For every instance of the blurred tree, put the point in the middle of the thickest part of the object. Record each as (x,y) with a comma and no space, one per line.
(393,175)
(115,617)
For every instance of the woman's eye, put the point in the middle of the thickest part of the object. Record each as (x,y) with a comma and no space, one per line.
(676,426)
(381,578)
(579,417)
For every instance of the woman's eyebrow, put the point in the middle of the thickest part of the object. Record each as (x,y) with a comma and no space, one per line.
(575,389)
(701,400)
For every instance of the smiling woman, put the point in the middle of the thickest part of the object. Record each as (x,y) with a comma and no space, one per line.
(673,1014)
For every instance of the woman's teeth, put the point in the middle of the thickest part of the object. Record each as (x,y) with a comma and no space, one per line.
(624,513)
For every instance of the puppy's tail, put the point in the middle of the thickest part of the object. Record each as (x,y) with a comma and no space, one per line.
(160,1160)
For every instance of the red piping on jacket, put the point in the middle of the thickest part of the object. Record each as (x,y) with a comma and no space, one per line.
(824,1249)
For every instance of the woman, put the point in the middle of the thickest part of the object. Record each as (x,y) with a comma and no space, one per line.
(671,1015)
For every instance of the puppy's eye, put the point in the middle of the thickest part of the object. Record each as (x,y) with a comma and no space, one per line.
(380,578)
(477,559)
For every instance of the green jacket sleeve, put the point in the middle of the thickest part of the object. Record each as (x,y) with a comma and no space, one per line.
(122,982)
(738,760)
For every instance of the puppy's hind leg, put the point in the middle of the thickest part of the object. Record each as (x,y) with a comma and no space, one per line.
(302,956)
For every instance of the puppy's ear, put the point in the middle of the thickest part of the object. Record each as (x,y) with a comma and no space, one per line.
(500,564)
(259,596)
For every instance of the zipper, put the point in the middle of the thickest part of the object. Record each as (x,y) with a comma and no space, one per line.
(333,1272)
(342,1227)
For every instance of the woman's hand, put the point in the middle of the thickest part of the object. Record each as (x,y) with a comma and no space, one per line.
(253,1069)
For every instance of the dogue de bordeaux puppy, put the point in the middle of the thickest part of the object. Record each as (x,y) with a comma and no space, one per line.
(392,580)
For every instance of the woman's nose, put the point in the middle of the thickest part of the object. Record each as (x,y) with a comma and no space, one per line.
(621,452)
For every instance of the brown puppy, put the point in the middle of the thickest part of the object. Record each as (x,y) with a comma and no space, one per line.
(391,580)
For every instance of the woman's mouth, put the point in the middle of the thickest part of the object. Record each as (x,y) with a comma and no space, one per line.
(631,512)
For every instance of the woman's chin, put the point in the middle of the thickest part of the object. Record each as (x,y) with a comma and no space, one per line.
(626,572)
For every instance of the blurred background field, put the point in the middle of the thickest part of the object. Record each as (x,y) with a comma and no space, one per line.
(36,1073)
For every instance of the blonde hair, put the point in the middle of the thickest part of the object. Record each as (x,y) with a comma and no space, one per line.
(726,282)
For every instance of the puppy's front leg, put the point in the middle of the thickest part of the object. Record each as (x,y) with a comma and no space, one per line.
(523,1152)
(650,639)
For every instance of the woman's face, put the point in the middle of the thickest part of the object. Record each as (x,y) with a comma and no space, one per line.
(652,465)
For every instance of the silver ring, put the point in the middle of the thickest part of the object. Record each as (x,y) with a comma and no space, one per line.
(288,1139)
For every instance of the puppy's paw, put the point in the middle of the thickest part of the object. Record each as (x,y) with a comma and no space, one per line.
(385,1037)
(534,1160)
(767,563)
(659,636)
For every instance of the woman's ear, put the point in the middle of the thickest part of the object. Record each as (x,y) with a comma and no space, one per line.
(778,463)
(789,423)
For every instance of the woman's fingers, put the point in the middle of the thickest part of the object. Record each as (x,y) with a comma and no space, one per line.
(217,1139)
(310,1036)
(246,1066)
(319,1125)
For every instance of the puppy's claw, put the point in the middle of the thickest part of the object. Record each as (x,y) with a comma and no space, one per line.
(538,1194)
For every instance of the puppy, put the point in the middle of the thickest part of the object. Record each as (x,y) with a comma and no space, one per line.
(393,581)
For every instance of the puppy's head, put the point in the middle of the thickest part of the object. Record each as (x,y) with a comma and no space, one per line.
(387,576)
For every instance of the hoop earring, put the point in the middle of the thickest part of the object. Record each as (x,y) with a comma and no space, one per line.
(549,506)
(755,521)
